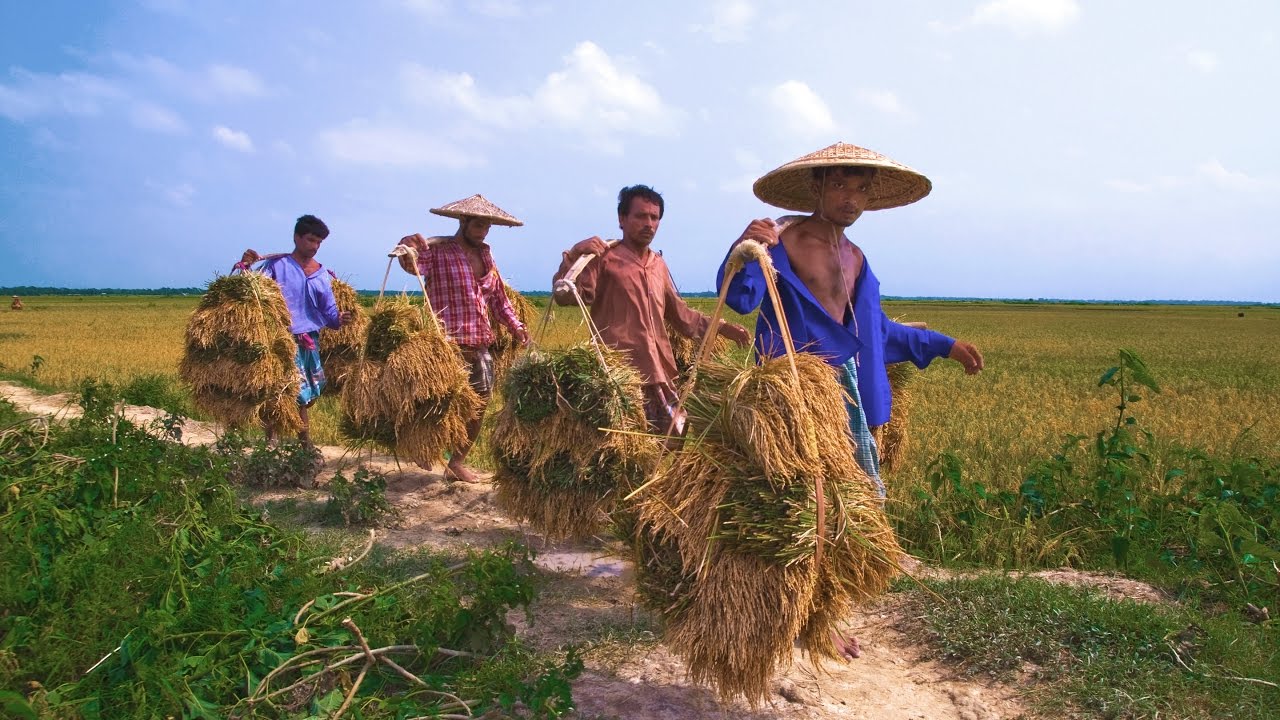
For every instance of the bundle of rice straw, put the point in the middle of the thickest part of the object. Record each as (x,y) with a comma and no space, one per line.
(505,348)
(409,391)
(893,439)
(729,529)
(340,349)
(238,354)
(686,350)
(558,466)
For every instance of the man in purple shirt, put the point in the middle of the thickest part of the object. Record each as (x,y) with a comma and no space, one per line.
(309,295)
(829,296)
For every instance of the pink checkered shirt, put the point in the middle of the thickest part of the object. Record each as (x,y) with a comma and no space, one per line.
(463,304)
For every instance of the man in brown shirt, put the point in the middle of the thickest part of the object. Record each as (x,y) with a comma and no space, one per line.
(632,297)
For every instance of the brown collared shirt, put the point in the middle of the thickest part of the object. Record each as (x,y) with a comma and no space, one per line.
(630,298)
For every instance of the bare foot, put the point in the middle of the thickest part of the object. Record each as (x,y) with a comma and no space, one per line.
(846,647)
(459,472)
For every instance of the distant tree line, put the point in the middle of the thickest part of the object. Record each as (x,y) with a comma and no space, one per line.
(22,290)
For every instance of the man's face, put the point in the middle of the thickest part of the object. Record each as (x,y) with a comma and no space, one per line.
(843,197)
(640,223)
(475,230)
(307,245)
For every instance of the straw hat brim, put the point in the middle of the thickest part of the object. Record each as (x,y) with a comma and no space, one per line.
(478,207)
(790,186)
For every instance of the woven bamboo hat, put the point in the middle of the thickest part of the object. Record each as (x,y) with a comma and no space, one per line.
(477,206)
(790,186)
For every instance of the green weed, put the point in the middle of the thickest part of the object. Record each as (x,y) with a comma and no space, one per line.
(1093,657)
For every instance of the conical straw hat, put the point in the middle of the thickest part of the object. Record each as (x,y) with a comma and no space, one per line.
(477,206)
(790,187)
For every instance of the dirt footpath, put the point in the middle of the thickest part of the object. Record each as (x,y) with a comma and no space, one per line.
(588,599)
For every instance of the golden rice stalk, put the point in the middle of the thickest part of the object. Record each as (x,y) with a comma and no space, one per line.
(340,349)
(558,466)
(238,352)
(410,390)
(685,350)
(738,506)
(741,624)
(505,348)
(894,437)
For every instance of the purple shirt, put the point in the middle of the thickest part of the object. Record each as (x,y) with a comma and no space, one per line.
(309,297)
(867,334)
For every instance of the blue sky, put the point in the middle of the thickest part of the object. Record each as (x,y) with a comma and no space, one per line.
(1078,149)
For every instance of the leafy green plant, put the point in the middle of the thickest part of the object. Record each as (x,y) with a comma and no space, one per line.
(256,463)
(361,500)
(1107,503)
(136,584)
(158,391)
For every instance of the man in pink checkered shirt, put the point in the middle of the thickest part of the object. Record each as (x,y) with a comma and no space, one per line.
(465,290)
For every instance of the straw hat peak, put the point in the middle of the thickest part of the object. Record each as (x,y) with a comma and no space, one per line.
(789,186)
(477,206)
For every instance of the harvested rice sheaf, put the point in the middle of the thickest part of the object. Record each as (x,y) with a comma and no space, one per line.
(410,391)
(505,348)
(559,468)
(685,350)
(737,507)
(238,354)
(340,349)
(894,437)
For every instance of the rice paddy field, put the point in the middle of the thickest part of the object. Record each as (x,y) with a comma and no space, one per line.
(1218,366)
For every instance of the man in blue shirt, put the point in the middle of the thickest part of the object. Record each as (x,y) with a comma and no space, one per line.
(830,297)
(308,293)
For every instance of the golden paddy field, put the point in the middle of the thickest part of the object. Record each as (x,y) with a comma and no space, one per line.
(1219,371)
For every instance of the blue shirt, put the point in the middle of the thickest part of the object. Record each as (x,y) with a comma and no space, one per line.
(869,334)
(309,297)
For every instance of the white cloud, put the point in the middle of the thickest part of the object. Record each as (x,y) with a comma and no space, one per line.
(1127,186)
(498,9)
(1213,171)
(1027,16)
(234,139)
(234,82)
(428,8)
(730,21)
(800,108)
(749,167)
(886,102)
(362,143)
(149,116)
(593,92)
(1203,60)
(590,95)
(179,194)
(36,94)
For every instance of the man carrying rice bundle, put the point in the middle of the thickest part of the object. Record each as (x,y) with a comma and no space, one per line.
(632,300)
(307,292)
(830,297)
(465,290)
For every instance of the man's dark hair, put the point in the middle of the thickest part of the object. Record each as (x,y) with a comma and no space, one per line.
(643,192)
(826,171)
(311,225)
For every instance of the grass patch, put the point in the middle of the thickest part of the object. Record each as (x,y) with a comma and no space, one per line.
(1098,658)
